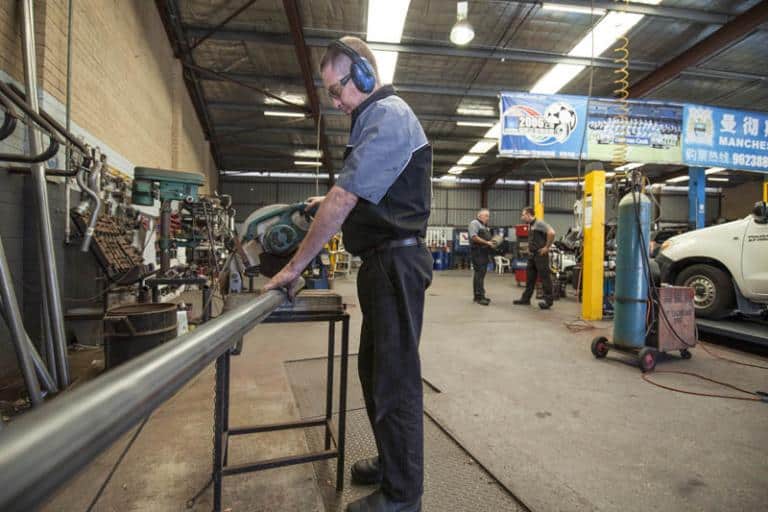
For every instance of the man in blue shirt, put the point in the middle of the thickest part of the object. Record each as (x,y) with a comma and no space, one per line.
(480,247)
(381,203)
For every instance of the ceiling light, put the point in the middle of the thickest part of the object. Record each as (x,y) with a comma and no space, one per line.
(456,170)
(581,9)
(717,179)
(483,124)
(605,33)
(476,111)
(307,163)
(308,153)
(557,78)
(468,159)
(462,32)
(713,170)
(386,63)
(678,179)
(280,113)
(291,98)
(483,146)
(386,19)
(494,132)
(448,177)
(629,166)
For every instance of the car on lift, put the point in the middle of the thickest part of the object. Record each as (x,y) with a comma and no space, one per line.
(726,265)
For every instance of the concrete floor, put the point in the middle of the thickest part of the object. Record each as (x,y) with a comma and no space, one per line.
(521,392)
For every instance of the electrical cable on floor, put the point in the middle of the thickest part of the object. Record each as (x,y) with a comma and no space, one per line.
(117,464)
(755,396)
(718,356)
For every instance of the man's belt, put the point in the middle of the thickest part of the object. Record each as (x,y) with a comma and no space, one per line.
(395,244)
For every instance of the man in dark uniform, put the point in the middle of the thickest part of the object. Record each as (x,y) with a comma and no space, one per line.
(382,197)
(480,247)
(540,239)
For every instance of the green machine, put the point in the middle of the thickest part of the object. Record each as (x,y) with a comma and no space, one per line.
(167,186)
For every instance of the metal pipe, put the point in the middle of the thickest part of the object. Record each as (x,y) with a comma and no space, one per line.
(9,119)
(82,208)
(48,122)
(62,173)
(13,319)
(49,270)
(94,187)
(165,237)
(44,448)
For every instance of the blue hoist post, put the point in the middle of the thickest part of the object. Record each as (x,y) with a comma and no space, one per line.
(697,197)
(632,273)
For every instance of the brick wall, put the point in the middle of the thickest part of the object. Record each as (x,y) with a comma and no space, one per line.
(128,96)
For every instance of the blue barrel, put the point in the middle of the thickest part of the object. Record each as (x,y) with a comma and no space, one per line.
(631,299)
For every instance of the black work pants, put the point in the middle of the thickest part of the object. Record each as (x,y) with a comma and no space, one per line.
(480,268)
(538,266)
(391,286)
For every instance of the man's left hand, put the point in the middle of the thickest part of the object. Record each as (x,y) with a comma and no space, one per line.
(283,279)
(543,251)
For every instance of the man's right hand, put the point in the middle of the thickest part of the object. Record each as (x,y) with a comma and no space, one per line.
(314,202)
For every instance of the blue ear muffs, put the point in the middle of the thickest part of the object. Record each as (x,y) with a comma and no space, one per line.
(361,71)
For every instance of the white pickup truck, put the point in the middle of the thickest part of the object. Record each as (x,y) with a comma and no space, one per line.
(726,265)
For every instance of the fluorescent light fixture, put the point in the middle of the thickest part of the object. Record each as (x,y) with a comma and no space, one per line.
(678,179)
(718,179)
(494,132)
(483,124)
(386,19)
(456,169)
(581,9)
(557,78)
(462,32)
(280,113)
(386,63)
(610,174)
(448,177)
(476,111)
(468,159)
(713,170)
(308,153)
(483,146)
(629,166)
(293,98)
(605,33)
(307,163)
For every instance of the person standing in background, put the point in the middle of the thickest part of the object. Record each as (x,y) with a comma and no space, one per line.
(480,247)
(540,239)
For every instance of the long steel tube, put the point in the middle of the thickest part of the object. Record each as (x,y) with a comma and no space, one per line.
(12,316)
(45,447)
(50,273)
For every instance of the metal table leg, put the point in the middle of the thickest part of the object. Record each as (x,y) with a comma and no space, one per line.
(329,383)
(342,403)
(218,433)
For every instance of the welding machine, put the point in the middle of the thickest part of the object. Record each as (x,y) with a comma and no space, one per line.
(647,320)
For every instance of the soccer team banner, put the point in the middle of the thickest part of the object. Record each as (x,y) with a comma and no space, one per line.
(564,126)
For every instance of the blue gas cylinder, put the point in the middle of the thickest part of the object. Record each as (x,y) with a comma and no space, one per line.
(631,299)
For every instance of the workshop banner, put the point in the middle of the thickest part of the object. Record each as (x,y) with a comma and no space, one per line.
(542,126)
(717,137)
(638,131)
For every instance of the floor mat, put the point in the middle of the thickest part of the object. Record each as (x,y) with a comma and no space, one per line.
(452,478)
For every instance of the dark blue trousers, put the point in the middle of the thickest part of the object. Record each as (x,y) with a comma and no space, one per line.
(391,286)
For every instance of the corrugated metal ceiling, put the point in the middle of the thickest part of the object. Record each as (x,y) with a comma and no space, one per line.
(256,47)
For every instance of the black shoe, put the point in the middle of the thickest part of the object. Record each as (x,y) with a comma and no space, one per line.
(521,302)
(379,502)
(545,305)
(483,301)
(366,471)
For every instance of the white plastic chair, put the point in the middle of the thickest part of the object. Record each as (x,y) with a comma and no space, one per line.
(502,263)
